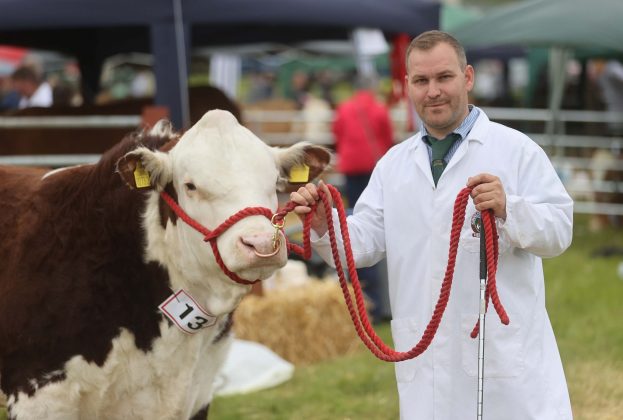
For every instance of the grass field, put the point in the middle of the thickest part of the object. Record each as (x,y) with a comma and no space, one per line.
(585,303)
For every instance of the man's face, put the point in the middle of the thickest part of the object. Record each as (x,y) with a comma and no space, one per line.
(439,88)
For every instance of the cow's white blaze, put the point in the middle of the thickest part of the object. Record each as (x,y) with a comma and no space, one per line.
(217,169)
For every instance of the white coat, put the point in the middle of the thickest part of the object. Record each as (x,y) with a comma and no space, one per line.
(403,217)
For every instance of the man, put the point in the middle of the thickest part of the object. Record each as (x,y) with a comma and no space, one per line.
(405,215)
(34,91)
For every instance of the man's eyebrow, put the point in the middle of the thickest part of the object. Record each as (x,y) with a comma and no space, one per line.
(445,73)
(439,74)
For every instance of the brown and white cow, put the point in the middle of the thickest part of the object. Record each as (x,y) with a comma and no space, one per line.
(85,263)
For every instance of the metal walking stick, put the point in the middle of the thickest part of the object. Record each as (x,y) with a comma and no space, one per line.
(481,317)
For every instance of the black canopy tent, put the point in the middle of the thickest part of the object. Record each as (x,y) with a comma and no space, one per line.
(92,30)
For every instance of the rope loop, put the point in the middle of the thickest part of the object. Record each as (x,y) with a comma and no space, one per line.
(356,307)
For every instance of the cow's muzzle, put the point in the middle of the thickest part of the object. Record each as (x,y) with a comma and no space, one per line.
(211,235)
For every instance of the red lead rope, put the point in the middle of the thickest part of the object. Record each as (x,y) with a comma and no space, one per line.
(360,316)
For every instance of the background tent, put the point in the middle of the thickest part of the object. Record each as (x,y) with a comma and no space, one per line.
(565,26)
(453,16)
(544,23)
(92,30)
(10,57)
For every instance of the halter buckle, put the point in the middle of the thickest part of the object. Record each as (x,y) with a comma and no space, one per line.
(278,227)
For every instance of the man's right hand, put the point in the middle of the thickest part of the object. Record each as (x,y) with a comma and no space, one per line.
(305,197)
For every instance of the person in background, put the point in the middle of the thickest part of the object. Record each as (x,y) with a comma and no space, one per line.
(405,215)
(611,84)
(315,112)
(363,133)
(9,98)
(262,87)
(33,90)
(300,86)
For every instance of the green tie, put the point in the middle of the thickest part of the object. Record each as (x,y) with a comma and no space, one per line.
(440,150)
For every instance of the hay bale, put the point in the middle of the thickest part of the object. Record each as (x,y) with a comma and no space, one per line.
(303,325)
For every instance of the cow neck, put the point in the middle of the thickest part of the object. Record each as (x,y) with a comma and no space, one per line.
(211,236)
(85,251)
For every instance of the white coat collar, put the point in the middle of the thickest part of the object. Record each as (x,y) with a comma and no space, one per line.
(481,128)
(478,132)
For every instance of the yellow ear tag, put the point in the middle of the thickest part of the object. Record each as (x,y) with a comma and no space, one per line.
(299,173)
(141,176)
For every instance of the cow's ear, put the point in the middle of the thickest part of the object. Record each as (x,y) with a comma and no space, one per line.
(144,168)
(302,163)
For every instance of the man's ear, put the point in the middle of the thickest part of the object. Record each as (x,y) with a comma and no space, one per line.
(301,163)
(144,168)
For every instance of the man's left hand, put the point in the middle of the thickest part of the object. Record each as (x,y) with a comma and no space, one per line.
(488,193)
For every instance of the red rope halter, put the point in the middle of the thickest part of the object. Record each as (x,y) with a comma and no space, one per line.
(212,235)
(357,308)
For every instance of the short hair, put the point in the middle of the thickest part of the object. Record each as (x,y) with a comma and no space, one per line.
(430,39)
(26,73)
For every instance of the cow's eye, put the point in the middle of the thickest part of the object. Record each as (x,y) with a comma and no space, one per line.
(190,186)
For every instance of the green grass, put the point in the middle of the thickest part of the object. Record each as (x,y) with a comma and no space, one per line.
(585,303)
(354,387)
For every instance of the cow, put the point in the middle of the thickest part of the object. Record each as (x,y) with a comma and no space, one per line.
(112,303)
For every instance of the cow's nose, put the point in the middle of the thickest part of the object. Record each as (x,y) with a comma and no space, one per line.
(262,244)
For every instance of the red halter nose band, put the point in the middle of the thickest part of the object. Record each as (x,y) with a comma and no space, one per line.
(212,235)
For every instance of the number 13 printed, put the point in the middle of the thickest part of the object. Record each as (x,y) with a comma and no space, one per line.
(186,313)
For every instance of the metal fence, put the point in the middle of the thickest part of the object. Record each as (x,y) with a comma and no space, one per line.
(586,156)
(581,158)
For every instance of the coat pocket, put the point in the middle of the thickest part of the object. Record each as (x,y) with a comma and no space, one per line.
(406,334)
(503,350)
(470,240)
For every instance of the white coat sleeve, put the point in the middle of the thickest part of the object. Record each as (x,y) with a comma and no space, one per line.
(365,228)
(539,211)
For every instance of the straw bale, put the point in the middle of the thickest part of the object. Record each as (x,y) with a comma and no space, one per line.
(303,324)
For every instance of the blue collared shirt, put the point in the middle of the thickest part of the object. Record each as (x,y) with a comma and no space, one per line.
(462,130)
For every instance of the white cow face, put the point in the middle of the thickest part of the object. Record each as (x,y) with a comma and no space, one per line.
(218,168)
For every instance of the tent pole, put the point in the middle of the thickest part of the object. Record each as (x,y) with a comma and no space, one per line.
(182,69)
(558,58)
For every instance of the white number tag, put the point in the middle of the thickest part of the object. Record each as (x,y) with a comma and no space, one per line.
(187,314)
